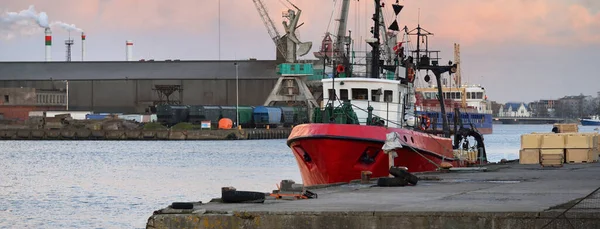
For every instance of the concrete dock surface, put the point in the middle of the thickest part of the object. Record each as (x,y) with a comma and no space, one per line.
(504,196)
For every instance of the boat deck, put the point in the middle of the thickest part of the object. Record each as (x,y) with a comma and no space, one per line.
(505,196)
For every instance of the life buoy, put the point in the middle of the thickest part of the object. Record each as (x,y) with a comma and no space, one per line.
(425,122)
(340,68)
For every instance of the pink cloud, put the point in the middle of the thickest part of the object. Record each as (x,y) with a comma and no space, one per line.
(464,21)
(502,21)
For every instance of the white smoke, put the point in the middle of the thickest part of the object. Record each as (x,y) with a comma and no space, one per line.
(28,22)
(65,26)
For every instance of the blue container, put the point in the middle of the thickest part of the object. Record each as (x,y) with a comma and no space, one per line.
(267,116)
(95,116)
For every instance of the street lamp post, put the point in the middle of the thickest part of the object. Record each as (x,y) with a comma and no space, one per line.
(237,115)
(67,94)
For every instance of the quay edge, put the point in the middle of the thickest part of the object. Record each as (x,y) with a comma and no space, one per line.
(351,220)
(506,196)
(85,134)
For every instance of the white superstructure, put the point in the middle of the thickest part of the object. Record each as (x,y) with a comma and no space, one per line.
(387,97)
(470,96)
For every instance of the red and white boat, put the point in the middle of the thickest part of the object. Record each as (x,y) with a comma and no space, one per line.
(349,132)
(331,152)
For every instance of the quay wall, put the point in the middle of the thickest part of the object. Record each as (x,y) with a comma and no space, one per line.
(351,220)
(86,134)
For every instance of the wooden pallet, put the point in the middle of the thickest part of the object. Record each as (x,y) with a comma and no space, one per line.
(552,160)
(575,162)
(552,165)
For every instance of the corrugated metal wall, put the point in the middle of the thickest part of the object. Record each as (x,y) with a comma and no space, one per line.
(136,95)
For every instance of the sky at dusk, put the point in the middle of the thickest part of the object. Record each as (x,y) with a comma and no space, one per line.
(520,50)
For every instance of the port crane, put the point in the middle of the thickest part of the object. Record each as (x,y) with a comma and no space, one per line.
(338,51)
(291,88)
(289,47)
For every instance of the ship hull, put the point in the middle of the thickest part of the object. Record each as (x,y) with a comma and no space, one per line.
(482,122)
(590,122)
(334,153)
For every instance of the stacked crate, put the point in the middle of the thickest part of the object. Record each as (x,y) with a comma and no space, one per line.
(567,127)
(530,149)
(552,150)
(581,148)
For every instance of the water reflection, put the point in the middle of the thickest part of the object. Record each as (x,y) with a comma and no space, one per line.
(118,184)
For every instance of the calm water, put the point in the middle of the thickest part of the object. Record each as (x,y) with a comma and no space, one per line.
(110,184)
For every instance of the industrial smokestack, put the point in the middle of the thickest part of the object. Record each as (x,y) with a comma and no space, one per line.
(129,50)
(82,46)
(48,33)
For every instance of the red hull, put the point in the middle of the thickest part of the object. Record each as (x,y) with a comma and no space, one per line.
(333,153)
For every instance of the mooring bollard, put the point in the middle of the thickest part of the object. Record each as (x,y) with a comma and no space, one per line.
(365,177)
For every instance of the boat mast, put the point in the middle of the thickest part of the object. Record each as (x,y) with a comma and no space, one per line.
(429,63)
(375,43)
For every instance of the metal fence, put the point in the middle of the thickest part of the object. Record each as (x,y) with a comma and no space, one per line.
(567,219)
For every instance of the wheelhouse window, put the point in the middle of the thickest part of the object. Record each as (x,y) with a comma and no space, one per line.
(388,96)
(360,94)
(468,95)
(344,94)
(429,95)
(479,95)
(375,96)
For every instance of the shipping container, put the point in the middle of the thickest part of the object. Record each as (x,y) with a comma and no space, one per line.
(96,116)
(267,116)
(245,113)
(201,113)
(287,116)
(229,112)
(170,115)
(300,115)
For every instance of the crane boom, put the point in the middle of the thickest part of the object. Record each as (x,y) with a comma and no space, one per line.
(341,31)
(264,15)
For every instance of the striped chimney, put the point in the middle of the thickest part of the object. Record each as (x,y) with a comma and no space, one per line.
(82,46)
(129,50)
(48,39)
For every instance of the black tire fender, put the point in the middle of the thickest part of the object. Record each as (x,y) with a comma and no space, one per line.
(403,174)
(242,196)
(391,182)
(182,205)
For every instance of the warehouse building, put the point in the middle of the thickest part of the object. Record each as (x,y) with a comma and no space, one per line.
(136,86)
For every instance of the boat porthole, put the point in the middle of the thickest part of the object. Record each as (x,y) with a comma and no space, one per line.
(405,140)
(412,139)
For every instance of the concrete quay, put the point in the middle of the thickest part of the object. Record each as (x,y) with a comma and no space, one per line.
(86,134)
(505,196)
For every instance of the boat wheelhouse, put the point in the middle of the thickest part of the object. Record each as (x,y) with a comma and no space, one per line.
(386,97)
